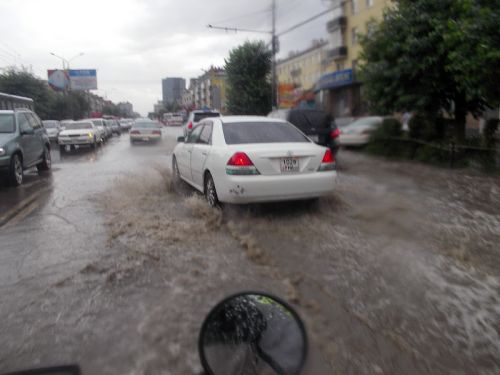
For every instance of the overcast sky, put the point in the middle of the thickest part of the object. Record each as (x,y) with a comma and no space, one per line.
(133,44)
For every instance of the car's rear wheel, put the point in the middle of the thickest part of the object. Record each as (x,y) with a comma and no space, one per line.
(46,163)
(210,191)
(16,172)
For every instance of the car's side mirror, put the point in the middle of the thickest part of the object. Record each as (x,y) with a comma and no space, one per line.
(180,140)
(28,131)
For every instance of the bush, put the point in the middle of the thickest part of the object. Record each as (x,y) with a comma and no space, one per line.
(428,127)
(489,131)
(383,140)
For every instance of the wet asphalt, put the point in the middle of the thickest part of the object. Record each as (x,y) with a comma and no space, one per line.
(105,263)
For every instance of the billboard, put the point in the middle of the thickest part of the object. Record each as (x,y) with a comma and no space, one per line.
(73,79)
(288,95)
(83,79)
(58,79)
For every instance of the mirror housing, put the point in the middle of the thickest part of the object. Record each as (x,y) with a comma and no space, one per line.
(181,140)
(253,332)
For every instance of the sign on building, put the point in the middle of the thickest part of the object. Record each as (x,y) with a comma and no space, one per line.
(336,79)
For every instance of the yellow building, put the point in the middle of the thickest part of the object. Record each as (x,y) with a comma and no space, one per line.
(338,89)
(302,69)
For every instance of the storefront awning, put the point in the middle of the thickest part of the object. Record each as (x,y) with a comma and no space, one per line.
(336,79)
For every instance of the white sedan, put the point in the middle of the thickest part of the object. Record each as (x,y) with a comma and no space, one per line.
(247,159)
(358,133)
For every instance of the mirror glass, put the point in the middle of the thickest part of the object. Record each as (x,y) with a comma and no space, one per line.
(253,333)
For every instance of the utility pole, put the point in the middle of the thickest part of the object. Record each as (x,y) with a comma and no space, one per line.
(274,89)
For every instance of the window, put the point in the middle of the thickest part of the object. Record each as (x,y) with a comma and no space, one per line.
(206,134)
(354,35)
(340,66)
(369,3)
(195,134)
(261,132)
(7,124)
(34,121)
(24,124)
(354,6)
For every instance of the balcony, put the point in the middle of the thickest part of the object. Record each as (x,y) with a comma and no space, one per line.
(337,23)
(296,72)
(337,53)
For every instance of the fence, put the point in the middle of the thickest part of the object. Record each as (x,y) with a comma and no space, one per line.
(445,153)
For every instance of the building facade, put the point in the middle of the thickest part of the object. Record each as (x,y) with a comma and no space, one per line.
(339,90)
(303,69)
(126,108)
(172,90)
(209,90)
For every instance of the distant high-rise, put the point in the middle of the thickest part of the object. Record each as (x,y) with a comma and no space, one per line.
(172,89)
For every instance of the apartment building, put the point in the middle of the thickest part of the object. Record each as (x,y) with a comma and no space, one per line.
(339,89)
(303,69)
(210,90)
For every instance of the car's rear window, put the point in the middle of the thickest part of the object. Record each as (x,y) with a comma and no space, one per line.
(307,120)
(200,116)
(7,124)
(79,125)
(261,132)
(49,124)
(145,125)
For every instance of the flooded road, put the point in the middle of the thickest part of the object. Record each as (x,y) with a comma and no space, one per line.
(114,267)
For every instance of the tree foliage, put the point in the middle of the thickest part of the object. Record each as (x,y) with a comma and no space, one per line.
(434,56)
(48,104)
(248,71)
(23,83)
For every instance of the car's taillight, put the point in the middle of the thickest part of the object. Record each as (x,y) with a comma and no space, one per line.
(135,132)
(240,164)
(334,133)
(328,162)
(190,126)
(156,132)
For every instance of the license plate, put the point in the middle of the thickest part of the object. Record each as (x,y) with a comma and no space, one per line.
(288,165)
(145,138)
(314,138)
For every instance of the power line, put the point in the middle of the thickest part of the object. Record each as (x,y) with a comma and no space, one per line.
(296,26)
(236,29)
(243,16)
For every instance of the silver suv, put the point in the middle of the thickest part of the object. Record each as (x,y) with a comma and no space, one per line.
(23,144)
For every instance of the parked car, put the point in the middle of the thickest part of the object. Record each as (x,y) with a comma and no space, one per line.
(65,122)
(23,144)
(246,159)
(358,132)
(100,130)
(174,120)
(52,127)
(125,124)
(196,116)
(317,125)
(145,131)
(101,123)
(79,133)
(115,126)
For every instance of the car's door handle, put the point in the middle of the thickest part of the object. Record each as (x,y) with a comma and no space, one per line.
(189,151)
(204,153)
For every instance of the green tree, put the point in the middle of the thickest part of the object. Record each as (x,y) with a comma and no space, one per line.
(23,83)
(248,72)
(434,56)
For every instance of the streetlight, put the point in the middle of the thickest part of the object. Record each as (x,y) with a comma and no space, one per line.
(66,67)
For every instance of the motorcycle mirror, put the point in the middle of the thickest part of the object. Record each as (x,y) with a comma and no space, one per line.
(252,333)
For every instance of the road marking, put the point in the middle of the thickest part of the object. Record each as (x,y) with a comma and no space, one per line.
(22,214)
(18,209)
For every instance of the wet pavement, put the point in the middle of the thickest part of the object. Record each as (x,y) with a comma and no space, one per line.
(104,262)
